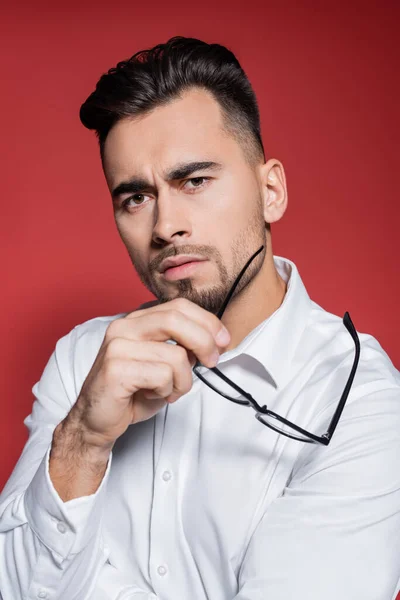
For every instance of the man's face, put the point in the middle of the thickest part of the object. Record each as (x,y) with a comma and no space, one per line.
(173,207)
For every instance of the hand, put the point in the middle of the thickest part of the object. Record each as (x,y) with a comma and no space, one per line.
(136,373)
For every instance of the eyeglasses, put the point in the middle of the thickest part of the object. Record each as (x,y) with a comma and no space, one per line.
(263,414)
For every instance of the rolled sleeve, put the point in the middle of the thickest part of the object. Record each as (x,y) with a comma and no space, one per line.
(63,527)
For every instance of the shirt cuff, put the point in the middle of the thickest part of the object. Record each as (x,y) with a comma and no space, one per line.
(64,527)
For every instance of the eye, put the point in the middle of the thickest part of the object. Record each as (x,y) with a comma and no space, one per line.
(196,182)
(139,198)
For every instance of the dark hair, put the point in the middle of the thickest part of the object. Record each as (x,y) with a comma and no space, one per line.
(154,77)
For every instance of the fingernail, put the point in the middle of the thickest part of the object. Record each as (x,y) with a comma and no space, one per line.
(223,337)
(214,358)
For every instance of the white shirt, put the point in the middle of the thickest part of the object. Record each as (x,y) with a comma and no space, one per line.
(203,502)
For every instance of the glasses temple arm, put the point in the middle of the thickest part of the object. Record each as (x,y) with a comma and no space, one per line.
(238,278)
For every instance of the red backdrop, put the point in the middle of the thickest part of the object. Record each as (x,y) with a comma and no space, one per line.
(325,79)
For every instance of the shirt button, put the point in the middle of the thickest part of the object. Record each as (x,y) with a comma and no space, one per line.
(62,529)
(161,570)
(42,594)
(166,475)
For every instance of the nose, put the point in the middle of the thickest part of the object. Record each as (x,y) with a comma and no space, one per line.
(171,219)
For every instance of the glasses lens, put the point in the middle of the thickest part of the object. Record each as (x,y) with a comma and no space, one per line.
(220,386)
(281,427)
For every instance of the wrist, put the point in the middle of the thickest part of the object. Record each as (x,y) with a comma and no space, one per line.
(76,467)
(71,437)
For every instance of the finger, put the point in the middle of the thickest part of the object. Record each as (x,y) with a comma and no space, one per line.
(128,376)
(190,309)
(165,325)
(157,352)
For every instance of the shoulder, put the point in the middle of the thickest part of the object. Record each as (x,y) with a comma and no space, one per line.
(363,456)
(331,350)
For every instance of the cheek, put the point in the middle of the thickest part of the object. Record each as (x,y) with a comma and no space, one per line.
(236,203)
(133,242)
(131,236)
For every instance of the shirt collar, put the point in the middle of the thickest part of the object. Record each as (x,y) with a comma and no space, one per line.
(274,341)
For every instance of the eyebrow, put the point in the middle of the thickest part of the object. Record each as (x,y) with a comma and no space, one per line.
(180,171)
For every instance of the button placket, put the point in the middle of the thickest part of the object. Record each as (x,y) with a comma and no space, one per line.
(164,513)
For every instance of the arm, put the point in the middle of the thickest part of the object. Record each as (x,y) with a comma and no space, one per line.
(51,542)
(49,545)
(335,532)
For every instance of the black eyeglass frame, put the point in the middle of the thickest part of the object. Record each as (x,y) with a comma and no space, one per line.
(309,437)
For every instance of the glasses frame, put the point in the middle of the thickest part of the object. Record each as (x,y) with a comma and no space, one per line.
(309,437)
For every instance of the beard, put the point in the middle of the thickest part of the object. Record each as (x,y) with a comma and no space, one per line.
(211,298)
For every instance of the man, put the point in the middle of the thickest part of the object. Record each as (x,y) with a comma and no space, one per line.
(145,475)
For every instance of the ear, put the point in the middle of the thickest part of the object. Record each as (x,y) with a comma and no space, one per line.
(274,191)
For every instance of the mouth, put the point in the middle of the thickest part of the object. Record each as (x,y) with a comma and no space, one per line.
(182,271)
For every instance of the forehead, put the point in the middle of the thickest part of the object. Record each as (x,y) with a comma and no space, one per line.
(188,128)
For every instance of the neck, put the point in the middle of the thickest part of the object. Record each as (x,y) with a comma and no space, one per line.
(258,301)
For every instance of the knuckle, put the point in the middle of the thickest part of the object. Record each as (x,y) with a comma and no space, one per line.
(146,379)
(172,317)
(111,330)
(114,346)
(162,380)
(181,357)
(111,367)
(165,373)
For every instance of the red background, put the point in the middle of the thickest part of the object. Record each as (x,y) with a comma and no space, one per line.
(325,76)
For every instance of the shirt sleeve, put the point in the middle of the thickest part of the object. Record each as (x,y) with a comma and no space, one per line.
(50,549)
(335,531)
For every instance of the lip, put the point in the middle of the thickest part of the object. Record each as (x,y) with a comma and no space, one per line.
(183,270)
(176,261)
